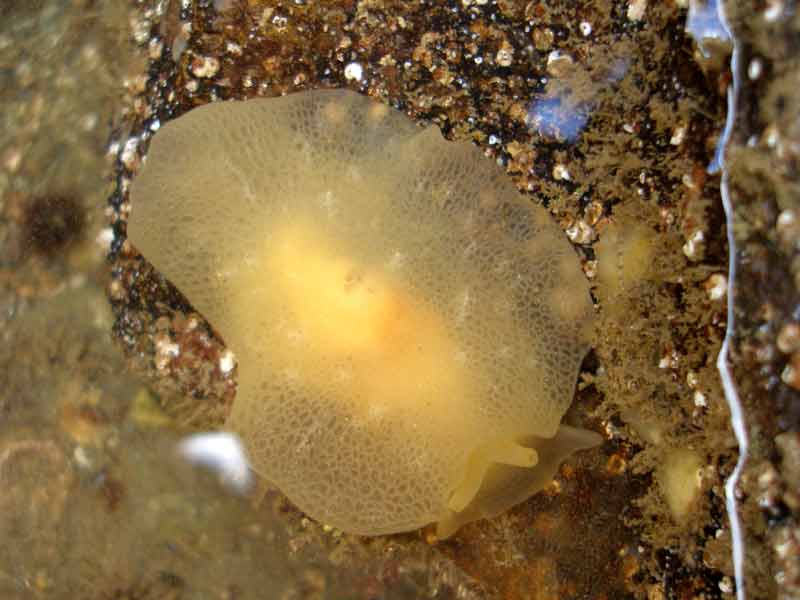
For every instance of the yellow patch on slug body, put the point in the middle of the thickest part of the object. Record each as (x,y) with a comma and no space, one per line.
(347,310)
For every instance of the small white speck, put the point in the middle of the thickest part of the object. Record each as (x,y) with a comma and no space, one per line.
(478,60)
(129,155)
(699,399)
(181,41)
(636,9)
(580,232)
(205,66)
(691,379)
(560,172)
(226,362)
(155,48)
(786,219)
(771,136)
(221,452)
(611,430)
(141,30)
(788,375)
(89,122)
(12,160)
(505,55)
(754,69)
(353,72)
(586,28)
(717,286)
(493,139)
(774,10)
(678,136)
(694,247)
(168,349)
(81,458)
(788,339)
(558,63)
(104,238)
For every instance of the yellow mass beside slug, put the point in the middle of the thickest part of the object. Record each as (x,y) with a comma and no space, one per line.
(408,327)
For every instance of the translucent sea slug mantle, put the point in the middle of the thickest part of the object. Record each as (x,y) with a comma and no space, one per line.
(408,327)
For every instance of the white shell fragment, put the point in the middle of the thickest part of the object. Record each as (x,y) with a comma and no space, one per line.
(221,452)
